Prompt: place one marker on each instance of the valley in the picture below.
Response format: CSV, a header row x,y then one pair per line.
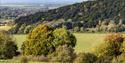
x,y
91,31
85,42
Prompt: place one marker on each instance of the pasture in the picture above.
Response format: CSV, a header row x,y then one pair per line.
x,y
5,28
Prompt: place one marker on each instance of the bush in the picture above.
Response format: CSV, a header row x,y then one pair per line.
x,y
76,29
85,58
104,59
62,37
24,59
112,45
63,54
8,48
43,40
28,29
121,58
114,37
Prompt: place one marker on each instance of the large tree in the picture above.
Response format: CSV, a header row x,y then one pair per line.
x,y
43,40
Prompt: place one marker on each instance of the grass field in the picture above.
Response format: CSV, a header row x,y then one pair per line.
x,y
19,40
5,28
85,42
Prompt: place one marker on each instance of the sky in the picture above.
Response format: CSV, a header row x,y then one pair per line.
x,y
39,1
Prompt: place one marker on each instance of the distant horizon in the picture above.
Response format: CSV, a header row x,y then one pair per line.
x,y
39,1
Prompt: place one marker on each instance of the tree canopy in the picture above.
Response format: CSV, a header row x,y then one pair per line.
x,y
43,40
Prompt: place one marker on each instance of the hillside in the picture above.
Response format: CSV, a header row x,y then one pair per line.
x,y
89,12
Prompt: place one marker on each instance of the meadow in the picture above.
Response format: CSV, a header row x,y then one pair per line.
x,y
5,27
85,42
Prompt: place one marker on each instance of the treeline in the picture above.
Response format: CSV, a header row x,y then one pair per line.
x,y
90,12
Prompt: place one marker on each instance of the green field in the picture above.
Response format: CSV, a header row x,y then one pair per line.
x,y
85,42
19,39
5,28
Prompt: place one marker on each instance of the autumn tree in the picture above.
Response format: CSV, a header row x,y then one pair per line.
x,y
43,40
112,45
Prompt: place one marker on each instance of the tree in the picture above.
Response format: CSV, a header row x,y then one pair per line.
x,y
62,37
28,29
39,41
76,29
112,45
8,48
43,40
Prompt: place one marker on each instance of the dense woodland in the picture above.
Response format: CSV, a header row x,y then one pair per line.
x,y
77,16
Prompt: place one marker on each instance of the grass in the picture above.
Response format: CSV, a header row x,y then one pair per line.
x,y
5,28
86,41
19,40
9,61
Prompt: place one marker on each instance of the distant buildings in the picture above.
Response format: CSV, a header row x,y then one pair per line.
x,y
6,23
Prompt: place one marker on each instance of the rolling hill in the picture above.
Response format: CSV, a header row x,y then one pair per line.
x,y
89,12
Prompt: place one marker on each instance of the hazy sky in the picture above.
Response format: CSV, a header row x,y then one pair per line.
x,y
38,1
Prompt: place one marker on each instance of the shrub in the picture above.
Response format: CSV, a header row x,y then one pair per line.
x,y
28,29
63,54
104,59
62,37
8,48
121,58
76,29
39,58
112,45
114,37
85,58
24,59
43,40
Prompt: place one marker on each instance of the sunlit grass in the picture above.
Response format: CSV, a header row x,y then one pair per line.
x,y
5,28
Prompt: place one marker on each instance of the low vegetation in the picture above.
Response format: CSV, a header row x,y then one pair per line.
x,y
63,54
37,47
85,58
8,47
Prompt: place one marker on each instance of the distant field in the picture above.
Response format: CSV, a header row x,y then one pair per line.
x,y
5,28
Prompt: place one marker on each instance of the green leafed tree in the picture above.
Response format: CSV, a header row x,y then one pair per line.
x,y
62,37
8,48
43,40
